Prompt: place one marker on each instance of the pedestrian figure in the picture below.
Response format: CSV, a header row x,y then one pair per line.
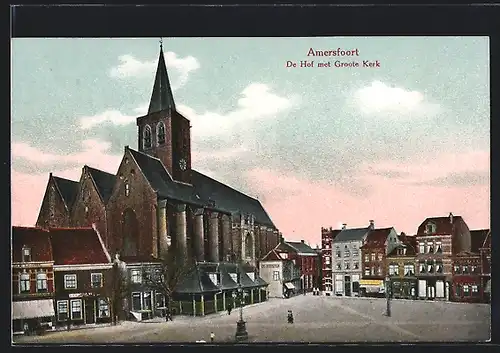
x,y
290,317
212,336
229,308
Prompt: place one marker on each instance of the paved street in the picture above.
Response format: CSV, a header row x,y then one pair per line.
x,y
317,319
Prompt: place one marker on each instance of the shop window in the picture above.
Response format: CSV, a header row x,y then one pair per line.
x,y
136,301
103,307
62,310
76,309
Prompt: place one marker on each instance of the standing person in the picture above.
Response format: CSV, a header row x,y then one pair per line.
x,y
229,308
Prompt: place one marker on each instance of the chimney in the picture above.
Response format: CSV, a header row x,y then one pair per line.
x,y
372,224
451,218
344,225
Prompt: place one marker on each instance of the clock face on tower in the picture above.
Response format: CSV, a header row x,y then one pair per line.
x,y
183,164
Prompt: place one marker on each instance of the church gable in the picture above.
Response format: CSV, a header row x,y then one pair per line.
x,y
58,198
88,206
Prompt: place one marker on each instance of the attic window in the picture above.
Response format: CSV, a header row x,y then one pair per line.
x,y
430,228
132,171
146,137
127,189
26,254
160,133
126,160
86,210
121,176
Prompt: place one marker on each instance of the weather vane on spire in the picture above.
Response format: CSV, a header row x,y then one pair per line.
x,y
161,42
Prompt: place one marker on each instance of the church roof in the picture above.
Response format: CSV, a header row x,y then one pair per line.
x,y
229,199
477,238
161,181
162,97
103,181
67,188
203,190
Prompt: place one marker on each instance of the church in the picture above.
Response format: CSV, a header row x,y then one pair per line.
x,y
156,201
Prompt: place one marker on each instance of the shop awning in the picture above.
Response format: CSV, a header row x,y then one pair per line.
x,y
289,285
32,309
371,283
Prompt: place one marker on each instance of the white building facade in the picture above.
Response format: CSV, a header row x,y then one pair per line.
x,y
346,260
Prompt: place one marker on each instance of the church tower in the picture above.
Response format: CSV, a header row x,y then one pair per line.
x,y
163,132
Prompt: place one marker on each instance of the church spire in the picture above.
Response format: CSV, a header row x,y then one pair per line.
x,y
162,97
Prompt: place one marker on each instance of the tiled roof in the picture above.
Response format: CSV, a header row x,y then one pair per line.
x,y
477,238
410,243
272,256
161,181
351,234
67,188
198,281
229,199
37,239
104,182
376,238
76,246
300,247
443,225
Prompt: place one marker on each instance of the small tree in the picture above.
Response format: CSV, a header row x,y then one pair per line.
x,y
118,289
168,274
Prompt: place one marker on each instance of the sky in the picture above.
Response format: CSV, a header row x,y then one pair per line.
x,y
318,146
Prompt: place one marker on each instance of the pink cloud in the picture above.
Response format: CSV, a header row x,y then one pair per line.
x,y
27,194
300,208
28,188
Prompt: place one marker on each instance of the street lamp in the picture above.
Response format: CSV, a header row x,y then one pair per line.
x,y
388,295
241,330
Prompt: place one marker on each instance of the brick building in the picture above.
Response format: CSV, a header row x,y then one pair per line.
x,y
82,275
156,200
32,279
400,266
327,237
374,250
305,258
439,239
467,283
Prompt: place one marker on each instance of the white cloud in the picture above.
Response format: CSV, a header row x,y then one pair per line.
x,y
257,102
109,116
94,153
131,67
379,98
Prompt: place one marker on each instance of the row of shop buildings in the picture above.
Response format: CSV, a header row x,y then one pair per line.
x,y
65,277
444,260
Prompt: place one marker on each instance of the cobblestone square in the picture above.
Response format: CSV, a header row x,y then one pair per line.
x,y
317,319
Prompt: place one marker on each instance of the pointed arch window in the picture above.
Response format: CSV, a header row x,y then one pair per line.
x,y
146,137
248,246
160,133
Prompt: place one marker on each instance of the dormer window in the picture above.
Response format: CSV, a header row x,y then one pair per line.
x,y
160,133
430,228
146,137
214,278
26,254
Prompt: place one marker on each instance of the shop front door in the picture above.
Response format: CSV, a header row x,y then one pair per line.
x,y
347,286
89,311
